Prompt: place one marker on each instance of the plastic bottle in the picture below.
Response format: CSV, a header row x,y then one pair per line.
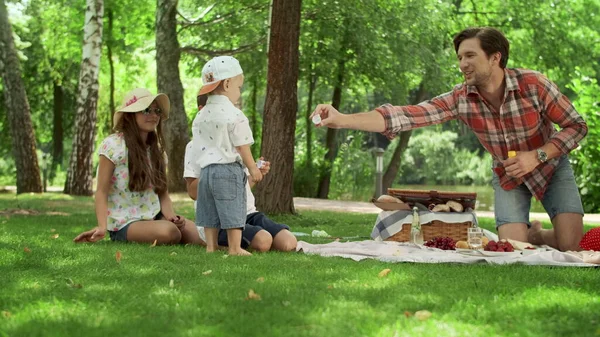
x,y
416,236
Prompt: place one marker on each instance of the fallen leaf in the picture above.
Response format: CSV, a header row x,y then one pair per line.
x,y
52,230
260,279
6,314
171,283
27,250
154,243
225,256
208,272
286,303
384,272
118,256
55,236
408,313
422,315
253,296
330,287
173,254
72,284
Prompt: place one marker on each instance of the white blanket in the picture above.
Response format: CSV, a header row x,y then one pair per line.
x,y
389,251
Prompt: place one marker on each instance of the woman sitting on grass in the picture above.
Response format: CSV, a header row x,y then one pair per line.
x,y
132,201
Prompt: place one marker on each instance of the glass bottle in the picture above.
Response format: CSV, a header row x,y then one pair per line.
x,y
416,236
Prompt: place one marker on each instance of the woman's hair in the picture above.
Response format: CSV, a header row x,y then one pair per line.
x,y
146,162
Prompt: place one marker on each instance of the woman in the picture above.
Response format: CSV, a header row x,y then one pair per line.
x,y
132,201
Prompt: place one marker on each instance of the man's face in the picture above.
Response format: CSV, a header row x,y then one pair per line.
x,y
474,63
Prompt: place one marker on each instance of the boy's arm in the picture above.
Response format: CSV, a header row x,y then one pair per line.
x,y
246,154
192,187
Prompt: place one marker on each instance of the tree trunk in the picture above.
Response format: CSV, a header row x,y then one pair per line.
x,y
109,46
80,173
254,118
331,140
312,83
167,66
392,170
57,129
18,111
274,193
394,165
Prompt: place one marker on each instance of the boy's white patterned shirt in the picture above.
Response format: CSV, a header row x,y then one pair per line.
x,y
216,131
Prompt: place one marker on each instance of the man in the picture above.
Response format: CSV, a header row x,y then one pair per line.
x,y
508,110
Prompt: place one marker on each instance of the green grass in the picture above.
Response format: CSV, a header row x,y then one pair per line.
x,y
301,295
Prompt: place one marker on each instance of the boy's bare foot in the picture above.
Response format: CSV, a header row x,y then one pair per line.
x,y
239,252
211,249
534,235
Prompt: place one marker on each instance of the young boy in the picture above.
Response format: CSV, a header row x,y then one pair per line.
x,y
222,138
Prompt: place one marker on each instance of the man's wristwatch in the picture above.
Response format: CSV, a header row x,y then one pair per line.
x,y
542,156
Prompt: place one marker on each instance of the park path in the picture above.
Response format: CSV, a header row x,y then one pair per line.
x,y
367,207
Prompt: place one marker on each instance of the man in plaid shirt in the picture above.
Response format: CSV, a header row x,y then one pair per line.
x,y
509,110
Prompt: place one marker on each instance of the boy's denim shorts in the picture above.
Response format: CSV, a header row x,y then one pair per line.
x,y
561,196
221,199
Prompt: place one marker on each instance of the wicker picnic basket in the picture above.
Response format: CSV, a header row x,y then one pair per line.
x,y
435,228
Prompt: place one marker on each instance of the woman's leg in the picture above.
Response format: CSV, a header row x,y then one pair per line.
x,y
285,241
261,241
281,238
163,231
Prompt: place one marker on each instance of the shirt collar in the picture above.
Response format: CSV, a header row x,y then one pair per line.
x,y
218,99
511,83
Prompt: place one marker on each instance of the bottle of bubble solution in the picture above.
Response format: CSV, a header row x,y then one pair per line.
x,y
416,236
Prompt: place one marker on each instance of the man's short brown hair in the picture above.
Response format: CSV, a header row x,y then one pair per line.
x,y
492,41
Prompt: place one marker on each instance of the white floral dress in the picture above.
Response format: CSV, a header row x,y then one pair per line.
x,y
125,206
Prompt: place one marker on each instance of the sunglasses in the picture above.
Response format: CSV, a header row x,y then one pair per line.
x,y
149,110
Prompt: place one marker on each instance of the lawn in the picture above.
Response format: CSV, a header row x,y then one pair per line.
x,y
52,287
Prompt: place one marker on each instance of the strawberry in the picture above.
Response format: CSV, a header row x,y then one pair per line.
x,y
591,240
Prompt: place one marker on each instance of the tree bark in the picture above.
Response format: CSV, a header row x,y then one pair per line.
x,y
80,173
312,83
168,54
109,46
57,129
18,111
254,117
275,193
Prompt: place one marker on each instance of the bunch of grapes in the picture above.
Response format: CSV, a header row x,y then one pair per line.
x,y
501,246
441,243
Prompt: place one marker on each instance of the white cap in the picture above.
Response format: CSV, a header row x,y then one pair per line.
x,y
218,69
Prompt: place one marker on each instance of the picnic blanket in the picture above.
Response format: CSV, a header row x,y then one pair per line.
x,y
389,223
390,251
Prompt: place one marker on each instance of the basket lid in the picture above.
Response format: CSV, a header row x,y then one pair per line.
x,y
467,200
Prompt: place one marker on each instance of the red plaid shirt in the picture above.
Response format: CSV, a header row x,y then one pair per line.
x,y
532,105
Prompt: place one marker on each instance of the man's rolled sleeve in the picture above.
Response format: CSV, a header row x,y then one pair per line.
x,y
561,112
403,118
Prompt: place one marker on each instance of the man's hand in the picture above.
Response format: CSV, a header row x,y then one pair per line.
x,y
330,117
522,164
92,235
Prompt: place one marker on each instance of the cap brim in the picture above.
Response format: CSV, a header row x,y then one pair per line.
x,y
208,88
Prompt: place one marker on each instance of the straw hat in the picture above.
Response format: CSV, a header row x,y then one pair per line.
x,y
139,99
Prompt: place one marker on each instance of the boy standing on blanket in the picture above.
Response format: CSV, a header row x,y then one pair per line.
x,y
222,138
